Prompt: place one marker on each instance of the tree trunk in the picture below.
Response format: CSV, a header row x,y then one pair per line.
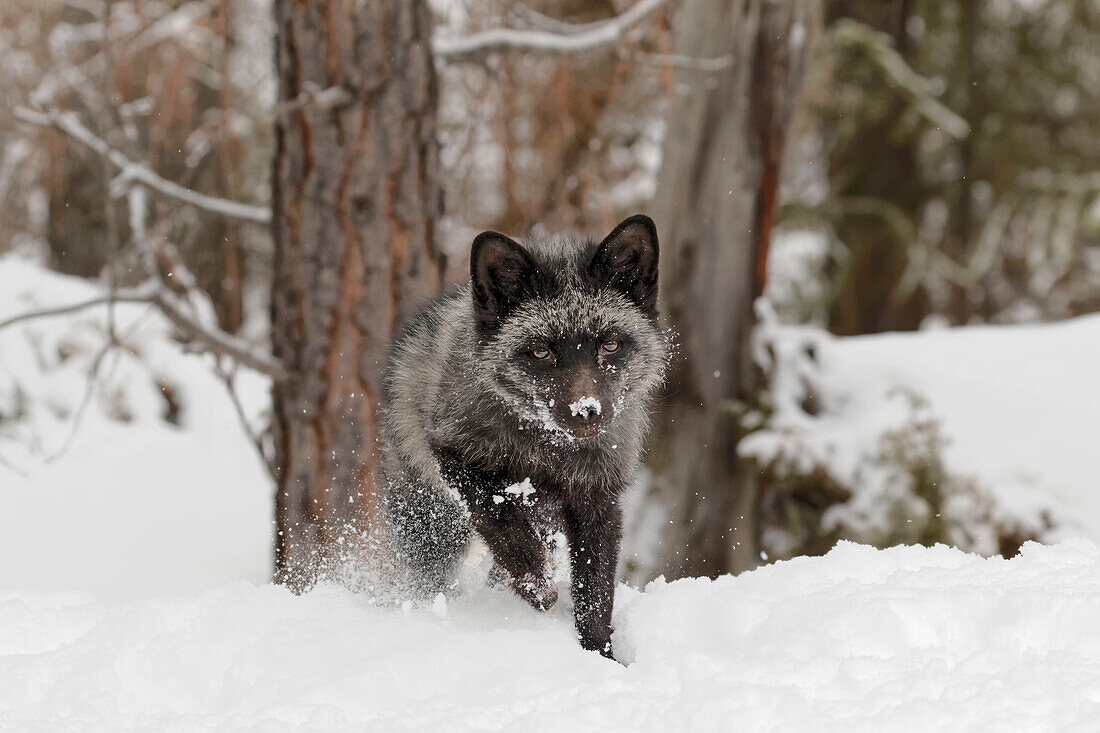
x,y
356,196
877,163
77,226
715,205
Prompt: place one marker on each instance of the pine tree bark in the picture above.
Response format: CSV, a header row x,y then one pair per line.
x,y
715,205
356,196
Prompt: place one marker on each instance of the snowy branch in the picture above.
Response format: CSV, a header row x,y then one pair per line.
x,y
593,36
316,98
69,123
255,438
137,295
216,340
82,408
178,25
690,63
880,50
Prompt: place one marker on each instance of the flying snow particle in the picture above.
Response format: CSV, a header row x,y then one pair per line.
x,y
523,489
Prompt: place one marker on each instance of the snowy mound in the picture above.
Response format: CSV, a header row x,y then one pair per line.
x,y
1018,406
144,484
861,639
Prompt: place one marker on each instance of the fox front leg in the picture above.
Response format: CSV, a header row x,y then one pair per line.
x,y
518,549
594,538
507,529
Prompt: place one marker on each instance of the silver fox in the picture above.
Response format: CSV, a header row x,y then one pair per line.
x,y
520,401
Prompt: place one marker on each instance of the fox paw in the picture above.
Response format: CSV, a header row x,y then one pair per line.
x,y
537,590
601,644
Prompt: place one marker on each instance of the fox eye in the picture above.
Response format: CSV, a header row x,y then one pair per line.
x,y
540,353
610,346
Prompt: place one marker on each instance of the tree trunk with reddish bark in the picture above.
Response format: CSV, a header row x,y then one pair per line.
x,y
715,205
356,195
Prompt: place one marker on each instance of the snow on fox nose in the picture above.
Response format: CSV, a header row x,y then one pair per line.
x,y
586,407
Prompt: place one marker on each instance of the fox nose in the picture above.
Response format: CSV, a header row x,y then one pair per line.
x,y
585,414
583,406
586,409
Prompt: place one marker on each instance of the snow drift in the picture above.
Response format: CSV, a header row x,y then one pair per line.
x,y
861,639
1018,409
146,484
159,513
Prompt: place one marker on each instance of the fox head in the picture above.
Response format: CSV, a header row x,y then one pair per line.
x,y
569,328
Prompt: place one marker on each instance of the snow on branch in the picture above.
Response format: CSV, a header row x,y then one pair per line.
x,y
316,98
70,124
690,63
215,339
591,36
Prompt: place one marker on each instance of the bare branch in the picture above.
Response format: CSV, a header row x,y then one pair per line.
x,y
214,339
113,341
111,233
596,35
69,123
136,295
4,462
255,438
85,400
95,8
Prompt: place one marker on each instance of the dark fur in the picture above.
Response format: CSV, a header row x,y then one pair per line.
x,y
471,410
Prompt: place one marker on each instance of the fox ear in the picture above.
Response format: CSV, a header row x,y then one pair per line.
x,y
502,275
627,261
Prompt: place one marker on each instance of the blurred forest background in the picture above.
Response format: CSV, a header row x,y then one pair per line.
x,y
283,182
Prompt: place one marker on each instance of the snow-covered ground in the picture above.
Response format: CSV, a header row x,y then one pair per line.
x,y
124,504
858,640
133,561
1018,408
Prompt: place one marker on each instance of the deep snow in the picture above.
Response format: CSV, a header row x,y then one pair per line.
x,y
166,531
858,640
1018,406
